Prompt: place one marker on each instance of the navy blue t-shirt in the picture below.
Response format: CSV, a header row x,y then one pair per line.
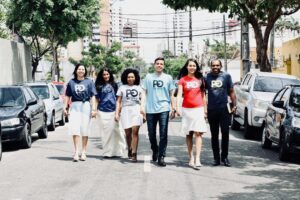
x,y
81,90
218,87
107,98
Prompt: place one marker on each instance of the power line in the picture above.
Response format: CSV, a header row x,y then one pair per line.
x,y
163,37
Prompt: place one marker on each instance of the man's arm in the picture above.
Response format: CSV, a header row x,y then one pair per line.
x,y
233,99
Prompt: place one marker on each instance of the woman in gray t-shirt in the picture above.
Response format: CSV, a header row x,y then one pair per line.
x,y
128,109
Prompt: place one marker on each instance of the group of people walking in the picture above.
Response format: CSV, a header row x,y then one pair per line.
x,y
153,101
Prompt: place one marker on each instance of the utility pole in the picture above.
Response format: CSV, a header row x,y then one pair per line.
x,y
245,49
190,33
272,59
225,46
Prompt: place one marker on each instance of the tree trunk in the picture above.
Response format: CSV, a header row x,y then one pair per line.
x,y
53,66
57,65
35,63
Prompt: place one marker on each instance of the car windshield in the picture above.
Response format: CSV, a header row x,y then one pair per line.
x,y
11,97
272,84
295,98
60,89
41,91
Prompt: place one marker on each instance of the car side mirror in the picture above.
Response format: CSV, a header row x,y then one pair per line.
x,y
32,102
245,88
278,104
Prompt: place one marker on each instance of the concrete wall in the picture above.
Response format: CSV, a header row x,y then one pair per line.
x,y
15,62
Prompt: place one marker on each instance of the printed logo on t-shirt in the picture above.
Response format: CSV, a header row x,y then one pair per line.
x,y
192,85
79,88
216,84
131,93
158,83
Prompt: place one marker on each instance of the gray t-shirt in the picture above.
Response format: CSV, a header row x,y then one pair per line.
x,y
131,95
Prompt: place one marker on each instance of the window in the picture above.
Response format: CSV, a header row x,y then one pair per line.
x,y
279,95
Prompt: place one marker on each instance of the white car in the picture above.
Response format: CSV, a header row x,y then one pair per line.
x,y
253,96
53,102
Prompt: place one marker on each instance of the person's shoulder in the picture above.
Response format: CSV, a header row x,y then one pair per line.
x,y
225,74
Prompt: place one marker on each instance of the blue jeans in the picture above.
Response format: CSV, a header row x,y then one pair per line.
x,y
162,119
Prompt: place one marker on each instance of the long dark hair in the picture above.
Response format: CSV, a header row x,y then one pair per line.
x,y
125,75
100,80
76,68
198,74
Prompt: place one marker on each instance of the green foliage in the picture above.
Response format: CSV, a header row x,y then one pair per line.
x,y
4,31
287,24
218,50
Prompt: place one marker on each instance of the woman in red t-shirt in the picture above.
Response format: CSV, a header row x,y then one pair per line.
x,y
191,85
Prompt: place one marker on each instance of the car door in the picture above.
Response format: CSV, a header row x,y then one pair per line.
x,y
40,109
280,114
32,110
58,102
243,95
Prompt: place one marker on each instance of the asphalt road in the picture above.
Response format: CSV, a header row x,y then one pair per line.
x,y
46,171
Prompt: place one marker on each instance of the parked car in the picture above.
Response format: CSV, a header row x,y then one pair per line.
x,y
0,142
282,122
61,87
253,95
53,102
22,113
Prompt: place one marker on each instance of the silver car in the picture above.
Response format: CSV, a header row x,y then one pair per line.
x,y
53,102
253,95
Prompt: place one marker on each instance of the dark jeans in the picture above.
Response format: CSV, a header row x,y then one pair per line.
x,y
162,119
219,118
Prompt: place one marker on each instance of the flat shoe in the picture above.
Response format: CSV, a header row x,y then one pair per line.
x,y
83,157
75,158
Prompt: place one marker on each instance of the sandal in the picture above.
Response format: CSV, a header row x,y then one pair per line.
x,y
134,157
129,154
75,158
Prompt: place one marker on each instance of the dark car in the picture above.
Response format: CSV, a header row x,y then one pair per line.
x,y
282,122
21,113
0,143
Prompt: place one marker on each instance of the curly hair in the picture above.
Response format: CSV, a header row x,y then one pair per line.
x,y
100,80
198,74
76,68
127,71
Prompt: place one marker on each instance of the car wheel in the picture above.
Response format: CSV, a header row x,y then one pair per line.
x,y
43,132
27,140
248,129
62,121
51,127
235,125
265,142
283,149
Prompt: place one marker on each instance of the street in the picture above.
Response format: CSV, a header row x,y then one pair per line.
x,y
46,171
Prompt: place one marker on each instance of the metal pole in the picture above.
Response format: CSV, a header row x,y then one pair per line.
x,y
190,33
272,59
225,46
245,49
174,37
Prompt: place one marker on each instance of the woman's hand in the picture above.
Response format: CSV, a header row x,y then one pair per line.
x,y
117,117
66,113
94,113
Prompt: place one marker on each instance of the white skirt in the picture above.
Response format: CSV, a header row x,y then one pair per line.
x,y
113,140
130,116
79,118
193,120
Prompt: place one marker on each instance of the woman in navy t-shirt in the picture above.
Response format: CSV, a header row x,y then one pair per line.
x,y
113,142
81,91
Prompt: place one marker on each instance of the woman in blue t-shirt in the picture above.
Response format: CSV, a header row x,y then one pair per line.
x,y
81,91
113,141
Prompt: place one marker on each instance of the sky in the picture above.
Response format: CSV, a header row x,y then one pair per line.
x,y
140,10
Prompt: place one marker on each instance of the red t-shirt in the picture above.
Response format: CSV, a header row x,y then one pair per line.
x,y
192,95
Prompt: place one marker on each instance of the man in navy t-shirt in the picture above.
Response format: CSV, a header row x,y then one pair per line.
x,y
219,86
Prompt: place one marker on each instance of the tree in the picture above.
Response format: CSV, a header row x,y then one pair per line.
x,y
4,31
217,49
258,13
57,22
99,56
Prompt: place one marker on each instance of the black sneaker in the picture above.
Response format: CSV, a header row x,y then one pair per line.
x,y
216,163
161,162
154,156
